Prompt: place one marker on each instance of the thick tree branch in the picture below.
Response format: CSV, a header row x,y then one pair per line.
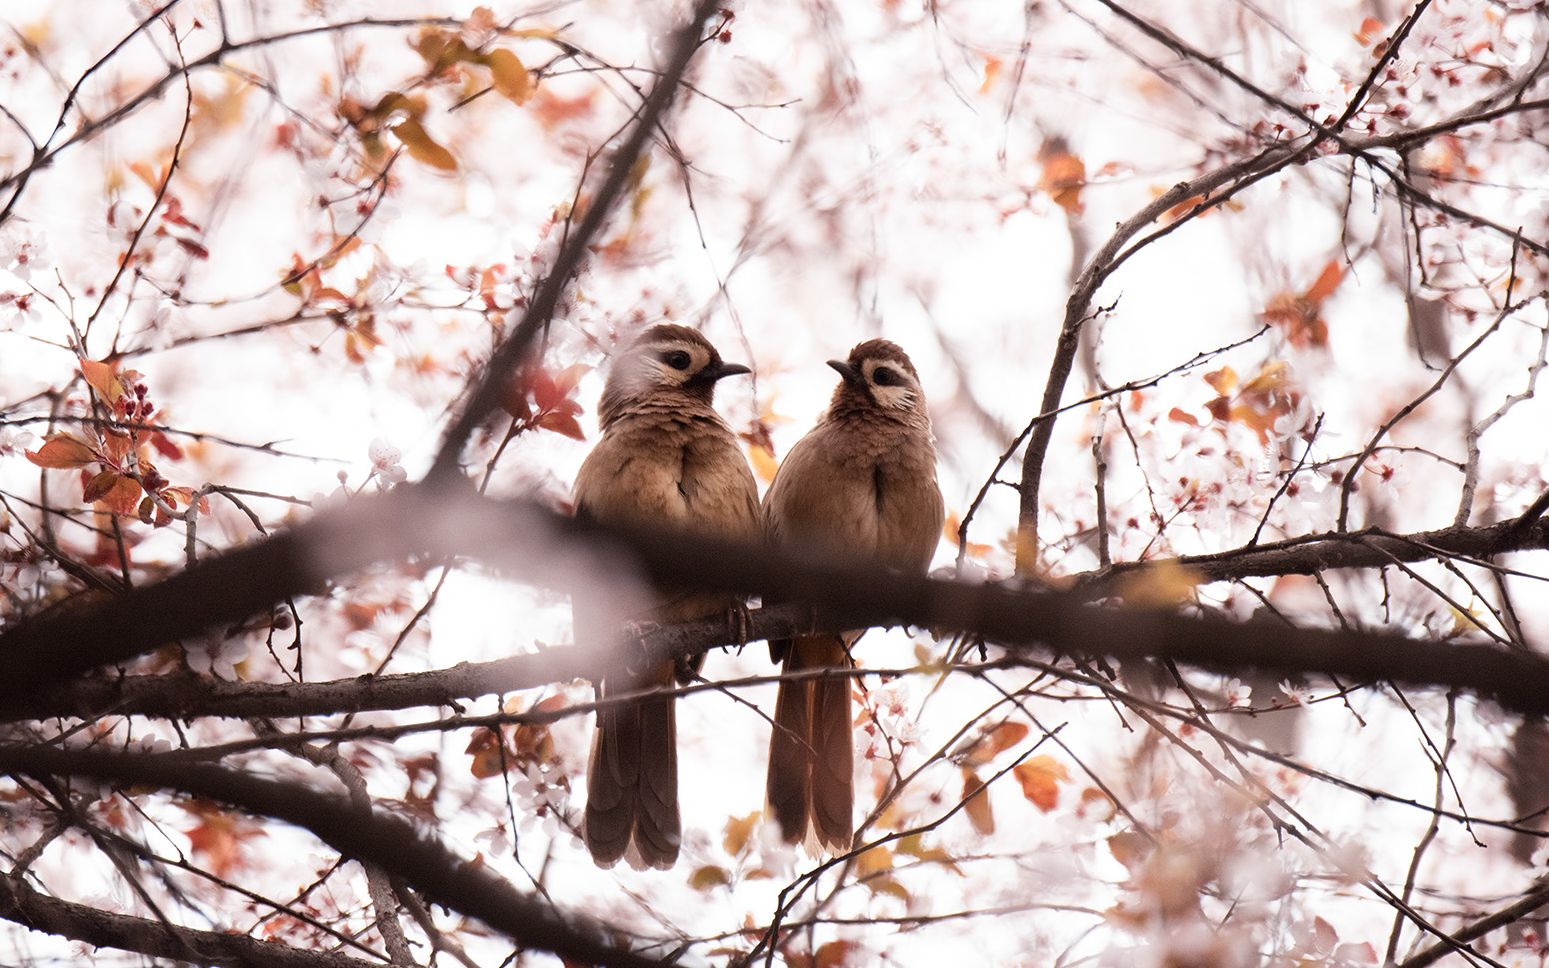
x,y
82,922
545,548
361,832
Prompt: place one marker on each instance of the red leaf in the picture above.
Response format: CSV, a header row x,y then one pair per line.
x,y
562,423
62,450
166,447
98,487
123,498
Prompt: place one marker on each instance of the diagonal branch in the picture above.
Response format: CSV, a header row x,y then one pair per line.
x,y
158,939
355,830
540,310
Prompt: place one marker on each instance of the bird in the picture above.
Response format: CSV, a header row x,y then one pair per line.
x,y
664,457
861,482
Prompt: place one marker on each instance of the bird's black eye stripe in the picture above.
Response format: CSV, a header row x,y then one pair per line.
x,y
884,377
677,359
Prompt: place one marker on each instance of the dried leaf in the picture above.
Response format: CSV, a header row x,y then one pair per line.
x,y
102,379
739,830
834,954
510,77
62,451
1328,280
1064,175
116,446
874,861
1182,416
1041,777
96,488
125,497
709,876
1129,848
487,759
764,464
422,147
977,803
992,742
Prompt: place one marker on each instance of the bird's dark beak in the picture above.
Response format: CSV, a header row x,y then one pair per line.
x,y
730,369
851,375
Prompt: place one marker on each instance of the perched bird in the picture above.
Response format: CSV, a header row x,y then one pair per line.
x,y
861,482
665,457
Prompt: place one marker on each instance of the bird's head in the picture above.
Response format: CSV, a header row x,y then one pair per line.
x,y
878,377
665,359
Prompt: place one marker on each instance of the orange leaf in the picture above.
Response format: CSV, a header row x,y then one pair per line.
x,y
1064,175
422,147
738,830
1223,380
123,498
62,450
1328,280
1182,416
1368,31
1040,778
510,77
976,802
764,464
485,747
100,376
116,445
993,742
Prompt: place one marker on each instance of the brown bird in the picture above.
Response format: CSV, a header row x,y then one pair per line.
x,y
861,482
665,457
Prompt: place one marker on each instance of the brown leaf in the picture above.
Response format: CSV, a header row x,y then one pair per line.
x,y
834,954
510,77
1182,416
116,445
99,486
992,742
977,803
487,759
1129,848
101,378
709,876
1041,777
62,451
738,830
422,147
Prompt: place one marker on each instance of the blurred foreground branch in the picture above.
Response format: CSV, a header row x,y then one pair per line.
x,y
537,545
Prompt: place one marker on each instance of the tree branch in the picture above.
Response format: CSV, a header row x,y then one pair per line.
x,y
540,546
355,830
82,922
486,394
